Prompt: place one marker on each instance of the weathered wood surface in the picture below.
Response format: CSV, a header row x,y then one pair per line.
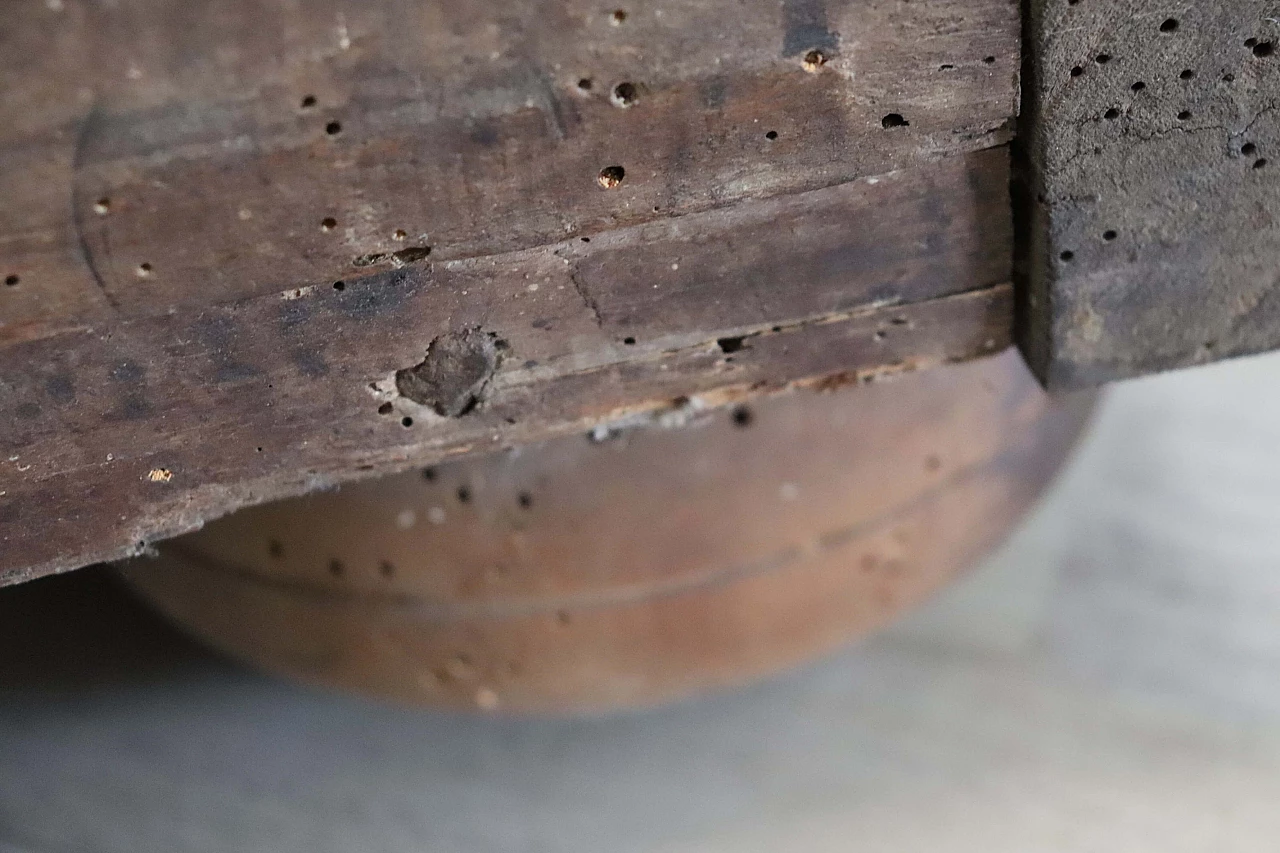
x,y
1153,144
229,228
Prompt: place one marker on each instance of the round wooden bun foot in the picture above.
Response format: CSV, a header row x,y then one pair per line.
x,y
584,575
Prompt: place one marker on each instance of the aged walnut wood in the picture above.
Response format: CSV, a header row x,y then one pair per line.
x,y
231,233
579,575
1152,145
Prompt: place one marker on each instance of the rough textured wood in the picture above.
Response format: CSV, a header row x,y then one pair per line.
x,y
1153,146
462,124
230,226
576,575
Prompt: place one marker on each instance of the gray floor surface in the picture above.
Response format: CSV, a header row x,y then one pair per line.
x,y
1109,681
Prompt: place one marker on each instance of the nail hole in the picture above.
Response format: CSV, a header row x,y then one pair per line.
x,y
629,341
339,285
814,60
1250,42
611,176
1139,86
1260,162
742,416
771,135
1263,49
328,223
989,60
729,345
1186,74
385,409
1109,235
1077,71
525,500
1067,255
618,16
893,120
585,84
1184,115
1102,58
102,206
406,422
464,495
333,128
1248,148
429,474
946,66
625,95
308,102
1169,25
1111,114
1228,78
144,270
11,280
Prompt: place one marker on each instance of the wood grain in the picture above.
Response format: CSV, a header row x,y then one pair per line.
x,y
229,226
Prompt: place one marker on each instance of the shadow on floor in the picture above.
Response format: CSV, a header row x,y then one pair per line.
x,y
86,629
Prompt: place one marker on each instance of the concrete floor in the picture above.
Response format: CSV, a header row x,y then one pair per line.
x,y
1109,681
